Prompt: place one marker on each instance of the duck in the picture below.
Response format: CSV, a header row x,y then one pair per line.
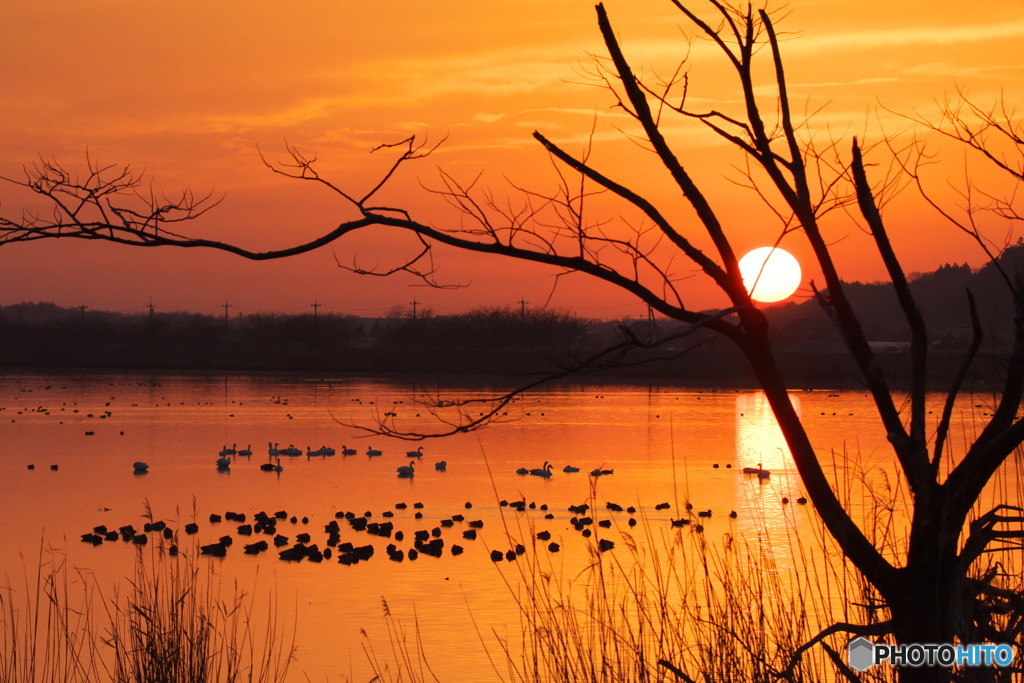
x,y
441,465
140,467
373,452
544,471
345,450
406,470
418,453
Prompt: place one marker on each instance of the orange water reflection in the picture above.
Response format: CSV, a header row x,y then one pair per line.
x,y
663,445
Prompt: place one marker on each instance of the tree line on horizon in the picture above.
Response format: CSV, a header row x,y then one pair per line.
x,y
497,326
44,333
45,330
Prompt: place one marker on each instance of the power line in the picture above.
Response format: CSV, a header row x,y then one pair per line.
x,y
522,308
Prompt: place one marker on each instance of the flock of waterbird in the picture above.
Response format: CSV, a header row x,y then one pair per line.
x,y
346,535
224,461
300,546
424,541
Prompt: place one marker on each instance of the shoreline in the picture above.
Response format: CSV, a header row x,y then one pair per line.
x,y
701,370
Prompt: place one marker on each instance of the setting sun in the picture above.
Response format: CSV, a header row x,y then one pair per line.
x,y
770,274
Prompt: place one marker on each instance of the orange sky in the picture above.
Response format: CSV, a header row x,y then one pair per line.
x,y
187,90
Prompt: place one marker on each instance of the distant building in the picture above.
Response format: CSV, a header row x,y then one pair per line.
x,y
889,346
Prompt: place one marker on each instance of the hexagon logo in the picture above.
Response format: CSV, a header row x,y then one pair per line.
x,y
861,654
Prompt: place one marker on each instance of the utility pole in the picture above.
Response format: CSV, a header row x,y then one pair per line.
x,y
414,304
522,308
152,315
315,306
82,309
226,307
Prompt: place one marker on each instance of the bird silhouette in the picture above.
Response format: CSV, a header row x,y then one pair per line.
x,y
544,471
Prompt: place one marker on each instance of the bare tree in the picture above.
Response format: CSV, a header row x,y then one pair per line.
x,y
931,594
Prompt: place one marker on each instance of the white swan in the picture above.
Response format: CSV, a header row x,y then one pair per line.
x,y
247,451
223,463
228,451
347,451
140,467
373,451
441,465
405,470
418,453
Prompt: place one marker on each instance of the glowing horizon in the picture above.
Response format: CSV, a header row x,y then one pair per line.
x,y
195,102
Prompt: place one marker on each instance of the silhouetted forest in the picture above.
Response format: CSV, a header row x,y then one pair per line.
x,y
47,335
503,340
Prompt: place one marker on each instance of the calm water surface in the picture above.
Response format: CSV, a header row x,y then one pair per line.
x,y
662,443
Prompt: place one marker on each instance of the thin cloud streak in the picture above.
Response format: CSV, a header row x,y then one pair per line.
x,y
919,35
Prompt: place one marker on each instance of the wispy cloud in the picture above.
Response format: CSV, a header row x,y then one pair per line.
x,y
917,35
833,84
947,70
494,117
296,114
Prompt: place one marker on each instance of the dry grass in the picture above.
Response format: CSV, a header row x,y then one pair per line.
x,y
668,608
680,607
172,621
406,660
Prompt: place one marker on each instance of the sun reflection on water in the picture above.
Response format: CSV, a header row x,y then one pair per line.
x,y
767,503
759,440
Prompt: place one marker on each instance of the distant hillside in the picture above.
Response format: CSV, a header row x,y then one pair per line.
x,y
941,296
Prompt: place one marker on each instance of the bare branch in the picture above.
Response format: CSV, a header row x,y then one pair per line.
x,y
912,455
947,410
614,356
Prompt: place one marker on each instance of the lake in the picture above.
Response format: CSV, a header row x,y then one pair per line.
x,y
665,445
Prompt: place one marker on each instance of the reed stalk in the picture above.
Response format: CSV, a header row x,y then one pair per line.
x,y
172,621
